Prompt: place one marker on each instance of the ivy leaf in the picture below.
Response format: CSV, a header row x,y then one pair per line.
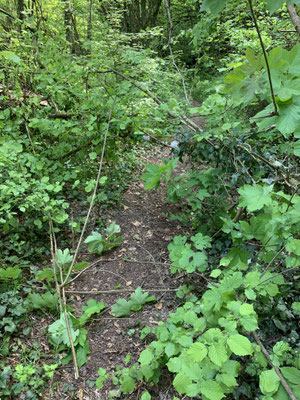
x,y
215,6
212,390
269,381
239,345
255,197
217,353
197,352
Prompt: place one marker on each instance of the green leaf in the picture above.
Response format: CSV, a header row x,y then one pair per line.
x,y
92,307
64,257
255,197
174,364
146,357
82,353
249,322
122,308
45,300
218,354
212,390
293,246
296,306
246,309
127,384
103,376
59,331
10,56
146,396
292,374
269,382
181,382
46,273
10,273
95,243
215,6
197,352
239,345
274,5
138,299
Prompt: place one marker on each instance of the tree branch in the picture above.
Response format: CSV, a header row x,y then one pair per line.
x,y
277,370
294,17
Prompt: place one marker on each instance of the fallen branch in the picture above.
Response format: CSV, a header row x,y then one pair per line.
x,y
113,291
276,369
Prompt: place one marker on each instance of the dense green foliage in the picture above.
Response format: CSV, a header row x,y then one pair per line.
x,y
79,86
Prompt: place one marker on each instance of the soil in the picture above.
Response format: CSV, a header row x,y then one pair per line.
x,y
146,231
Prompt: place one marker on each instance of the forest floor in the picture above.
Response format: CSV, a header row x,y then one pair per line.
x,y
141,260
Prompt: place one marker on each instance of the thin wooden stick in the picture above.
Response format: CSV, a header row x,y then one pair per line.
x,y
276,369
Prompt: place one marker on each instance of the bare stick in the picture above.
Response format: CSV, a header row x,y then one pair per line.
x,y
294,17
171,51
265,56
92,201
276,369
118,291
271,262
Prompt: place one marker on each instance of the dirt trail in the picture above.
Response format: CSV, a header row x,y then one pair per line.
x,y
147,232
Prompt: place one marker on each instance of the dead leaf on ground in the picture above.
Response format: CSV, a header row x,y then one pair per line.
x,y
136,223
80,394
158,306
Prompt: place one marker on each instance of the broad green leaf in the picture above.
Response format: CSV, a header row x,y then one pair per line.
x,y
249,322
239,345
255,197
212,390
197,351
46,273
95,243
92,307
246,309
181,382
139,298
235,259
59,331
10,273
274,5
215,6
218,354
292,374
174,364
64,257
227,380
10,56
269,381
45,300
127,384
122,308
293,246
146,396
146,357
81,354
296,306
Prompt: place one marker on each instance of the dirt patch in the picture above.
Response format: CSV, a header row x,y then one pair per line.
x,y
147,232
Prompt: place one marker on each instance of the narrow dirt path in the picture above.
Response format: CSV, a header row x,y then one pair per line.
x,y
147,232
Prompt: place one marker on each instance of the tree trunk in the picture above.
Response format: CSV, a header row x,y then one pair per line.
x,y
294,17
72,36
